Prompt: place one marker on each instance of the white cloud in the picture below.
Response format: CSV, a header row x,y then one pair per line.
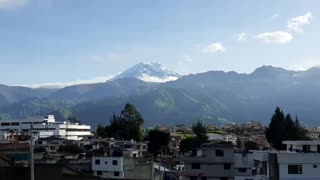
x,y
214,48
242,36
12,4
56,85
277,37
296,24
305,64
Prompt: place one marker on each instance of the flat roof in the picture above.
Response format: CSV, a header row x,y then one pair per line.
x,y
302,142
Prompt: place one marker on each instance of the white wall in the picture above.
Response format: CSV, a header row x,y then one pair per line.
x,y
106,164
308,172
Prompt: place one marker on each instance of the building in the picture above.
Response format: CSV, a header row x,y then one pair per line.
x,y
108,167
255,165
300,161
123,168
211,162
313,133
244,166
44,127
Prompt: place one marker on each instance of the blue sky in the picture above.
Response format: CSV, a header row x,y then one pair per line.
x,y
74,41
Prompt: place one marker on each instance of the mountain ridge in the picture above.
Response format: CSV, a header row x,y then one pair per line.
x,y
213,96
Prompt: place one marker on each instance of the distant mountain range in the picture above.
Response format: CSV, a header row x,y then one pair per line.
x,y
214,97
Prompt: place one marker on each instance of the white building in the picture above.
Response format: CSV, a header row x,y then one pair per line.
x,y
124,168
44,127
108,167
301,161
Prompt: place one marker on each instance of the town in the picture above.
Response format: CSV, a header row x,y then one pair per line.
x,y
46,149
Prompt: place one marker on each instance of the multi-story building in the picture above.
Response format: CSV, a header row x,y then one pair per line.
x,y
44,127
108,167
301,161
123,168
244,166
211,161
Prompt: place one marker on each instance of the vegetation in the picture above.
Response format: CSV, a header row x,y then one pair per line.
x,y
126,126
251,145
39,149
71,148
282,127
158,141
73,119
194,142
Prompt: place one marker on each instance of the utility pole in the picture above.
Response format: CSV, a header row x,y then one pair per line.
x,y
31,153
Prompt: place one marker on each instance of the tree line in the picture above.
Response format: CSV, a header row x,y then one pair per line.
x,y
282,128
128,125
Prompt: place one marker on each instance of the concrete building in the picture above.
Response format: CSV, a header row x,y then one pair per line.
x,y
244,166
255,165
108,167
301,161
123,168
44,127
211,162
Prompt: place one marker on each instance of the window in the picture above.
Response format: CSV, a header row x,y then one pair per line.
x,y
116,173
5,124
306,148
99,173
294,169
204,178
195,166
114,162
224,178
242,170
227,166
97,161
15,124
106,162
315,166
193,177
219,152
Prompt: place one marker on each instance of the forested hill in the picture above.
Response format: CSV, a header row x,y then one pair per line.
x,y
215,97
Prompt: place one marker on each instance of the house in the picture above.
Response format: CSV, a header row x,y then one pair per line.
x,y
211,161
123,168
301,161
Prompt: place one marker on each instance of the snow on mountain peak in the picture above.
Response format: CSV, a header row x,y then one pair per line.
x,y
149,72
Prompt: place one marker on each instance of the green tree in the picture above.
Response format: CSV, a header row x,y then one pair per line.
x,y
126,126
283,128
71,148
101,131
158,141
201,131
189,143
195,142
73,119
251,145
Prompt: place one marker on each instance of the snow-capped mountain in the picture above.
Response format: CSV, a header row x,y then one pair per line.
x,y
149,72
